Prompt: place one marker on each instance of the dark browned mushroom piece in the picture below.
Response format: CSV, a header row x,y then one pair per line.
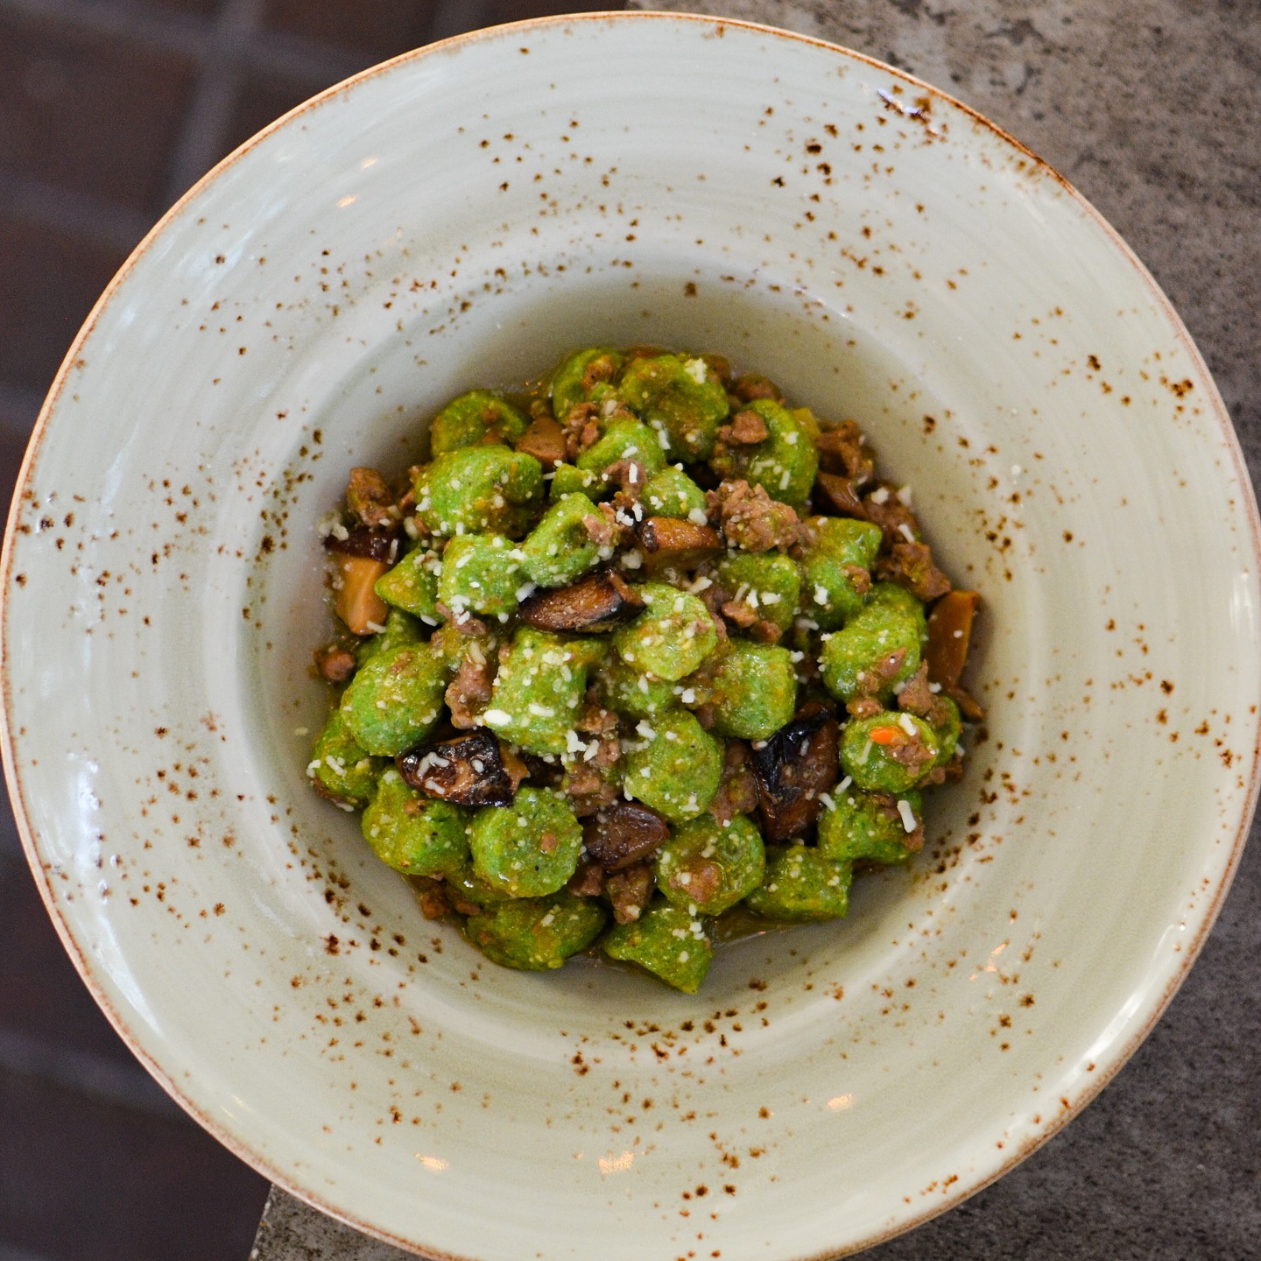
x,y
623,834
545,440
468,771
370,544
793,768
673,543
594,603
949,635
837,495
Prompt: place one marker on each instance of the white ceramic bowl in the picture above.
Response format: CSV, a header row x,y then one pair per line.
x,y
461,216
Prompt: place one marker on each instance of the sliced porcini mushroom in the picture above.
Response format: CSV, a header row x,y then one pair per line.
x,y
594,603
468,771
949,632
355,599
838,496
369,544
623,834
673,543
544,440
793,768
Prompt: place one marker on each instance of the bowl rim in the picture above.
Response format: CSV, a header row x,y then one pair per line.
x,y
261,1164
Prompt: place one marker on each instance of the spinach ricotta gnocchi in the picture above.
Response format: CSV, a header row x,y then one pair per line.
x,y
630,651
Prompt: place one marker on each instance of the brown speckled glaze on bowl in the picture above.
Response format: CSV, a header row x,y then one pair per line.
x,y
461,216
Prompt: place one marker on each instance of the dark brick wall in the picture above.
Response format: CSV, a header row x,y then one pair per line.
x,y
109,109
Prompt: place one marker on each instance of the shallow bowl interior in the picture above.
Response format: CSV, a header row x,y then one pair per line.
x,y
461,217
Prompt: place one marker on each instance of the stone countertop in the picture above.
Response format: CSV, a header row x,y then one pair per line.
x,y
1152,108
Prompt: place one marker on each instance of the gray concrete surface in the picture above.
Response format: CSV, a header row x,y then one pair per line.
x,y
1153,109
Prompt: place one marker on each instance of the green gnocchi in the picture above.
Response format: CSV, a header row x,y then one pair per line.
x,y
632,650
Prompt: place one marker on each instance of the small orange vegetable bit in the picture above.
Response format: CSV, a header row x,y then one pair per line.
x,y
887,735
354,599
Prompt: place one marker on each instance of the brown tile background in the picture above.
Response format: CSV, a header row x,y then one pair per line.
x,y
109,110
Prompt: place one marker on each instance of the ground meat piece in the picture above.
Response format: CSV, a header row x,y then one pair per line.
x,y
911,566
916,697
863,707
464,622
469,692
874,681
698,878
603,527
581,428
433,897
841,451
742,614
859,577
752,386
593,719
750,519
335,663
609,752
368,499
737,792
746,429
766,632
893,517
587,881
911,752
514,766
630,475
629,891
588,790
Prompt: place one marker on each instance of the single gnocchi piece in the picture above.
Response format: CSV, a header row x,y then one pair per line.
x,y
784,463
877,649
872,826
753,690
340,767
479,488
707,866
560,548
481,572
395,700
582,377
413,834
801,885
412,585
671,637
676,767
539,689
681,398
535,934
672,493
476,417
666,940
836,568
624,440
889,753
528,849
